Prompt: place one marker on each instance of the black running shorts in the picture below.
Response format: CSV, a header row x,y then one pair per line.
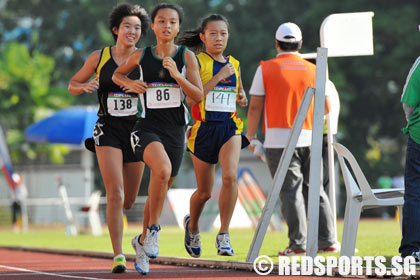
x,y
171,137
115,132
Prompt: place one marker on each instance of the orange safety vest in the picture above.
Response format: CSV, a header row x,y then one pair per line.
x,y
285,79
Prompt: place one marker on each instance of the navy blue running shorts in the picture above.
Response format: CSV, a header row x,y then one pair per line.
x,y
207,138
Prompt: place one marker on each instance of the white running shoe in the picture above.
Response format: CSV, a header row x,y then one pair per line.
x,y
151,242
223,245
141,264
192,241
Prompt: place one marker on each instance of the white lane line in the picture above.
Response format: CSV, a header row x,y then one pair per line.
x,y
49,274
38,261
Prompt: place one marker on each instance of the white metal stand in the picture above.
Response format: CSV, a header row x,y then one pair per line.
x,y
71,228
315,165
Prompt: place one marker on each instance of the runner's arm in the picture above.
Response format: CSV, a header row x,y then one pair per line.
x,y
191,84
120,74
78,83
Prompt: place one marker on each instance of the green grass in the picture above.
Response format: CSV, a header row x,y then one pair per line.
x,y
375,237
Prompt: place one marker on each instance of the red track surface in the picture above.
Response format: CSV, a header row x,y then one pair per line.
x,y
34,265
25,265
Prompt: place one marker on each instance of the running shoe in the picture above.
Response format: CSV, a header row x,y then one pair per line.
x,y
416,256
119,265
151,242
223,245
192,240
291,252
141,264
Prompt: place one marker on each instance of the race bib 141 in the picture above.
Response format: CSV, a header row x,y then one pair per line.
x,y
221,99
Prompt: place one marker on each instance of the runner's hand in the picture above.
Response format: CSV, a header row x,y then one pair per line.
x,y
135,86
226,71
91,86
169,64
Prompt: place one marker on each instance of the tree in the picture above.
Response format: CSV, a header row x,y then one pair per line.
x,y
26,97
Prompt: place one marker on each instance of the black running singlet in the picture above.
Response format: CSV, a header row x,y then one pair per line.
x,y
113,101
164,100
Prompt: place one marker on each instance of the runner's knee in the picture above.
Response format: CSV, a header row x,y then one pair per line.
x,y
162,174
203,196
115,196
229,180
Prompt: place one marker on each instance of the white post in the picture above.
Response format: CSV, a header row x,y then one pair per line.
x,y
87,164
24,215
71,223
331,176
316,153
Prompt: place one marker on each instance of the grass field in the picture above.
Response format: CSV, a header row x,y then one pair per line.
x,y
375,237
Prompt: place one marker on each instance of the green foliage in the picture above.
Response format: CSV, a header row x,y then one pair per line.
x,y
26,92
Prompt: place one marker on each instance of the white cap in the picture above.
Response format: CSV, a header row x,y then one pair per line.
x,y
289,32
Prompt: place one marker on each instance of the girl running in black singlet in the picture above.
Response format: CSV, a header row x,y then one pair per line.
x,y
121,170
169,72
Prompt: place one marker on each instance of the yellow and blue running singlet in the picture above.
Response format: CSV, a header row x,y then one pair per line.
x,y
215,116
222,94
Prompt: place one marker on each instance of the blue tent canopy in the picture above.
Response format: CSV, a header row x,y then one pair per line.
x,y
68,126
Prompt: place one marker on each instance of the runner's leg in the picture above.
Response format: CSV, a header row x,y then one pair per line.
x,y
111,165
132,175
160,170
204,173
229,159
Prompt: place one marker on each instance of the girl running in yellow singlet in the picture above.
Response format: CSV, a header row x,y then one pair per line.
x,y
217,131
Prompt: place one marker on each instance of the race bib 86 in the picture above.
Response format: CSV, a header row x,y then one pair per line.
x,y
163,95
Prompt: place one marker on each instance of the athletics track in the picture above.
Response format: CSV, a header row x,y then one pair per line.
x,y
36,264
